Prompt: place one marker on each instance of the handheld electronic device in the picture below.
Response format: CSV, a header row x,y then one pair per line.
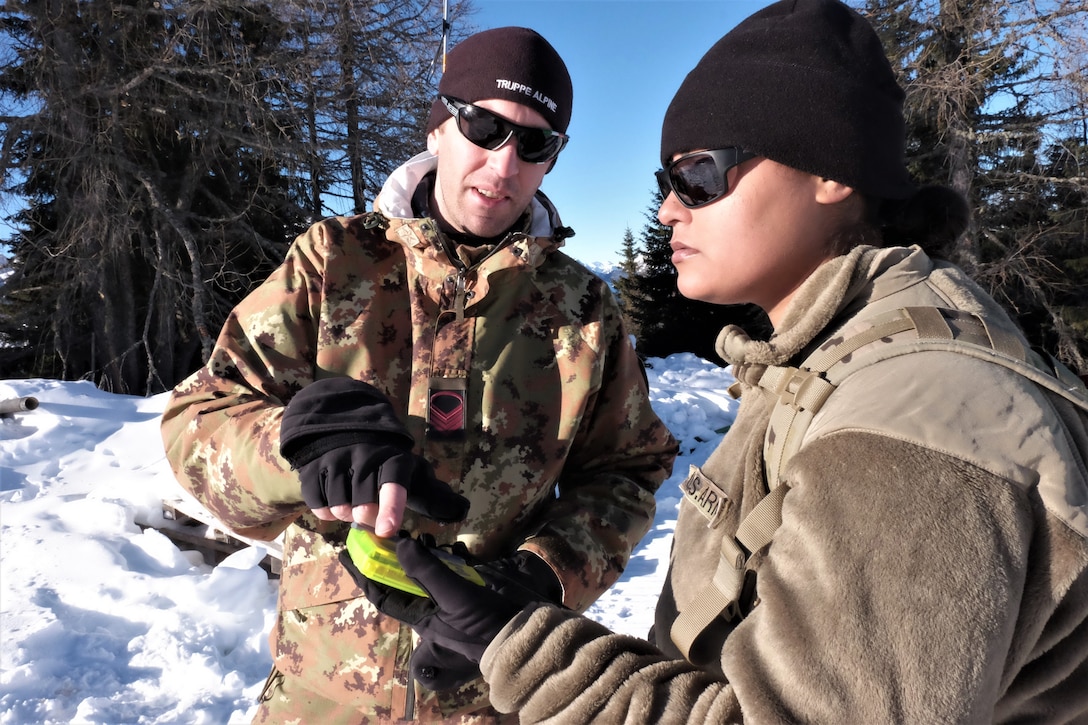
x,y
376,558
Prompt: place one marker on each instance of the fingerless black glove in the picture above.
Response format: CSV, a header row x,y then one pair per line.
x,y
345,440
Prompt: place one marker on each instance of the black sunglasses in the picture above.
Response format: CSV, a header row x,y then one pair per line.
x,y
699,178
488,131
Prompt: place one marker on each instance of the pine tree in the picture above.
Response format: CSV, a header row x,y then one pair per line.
x,y
365,83
150,178
995,109
169,153
630,268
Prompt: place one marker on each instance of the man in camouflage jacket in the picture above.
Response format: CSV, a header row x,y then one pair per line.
x,y
561,452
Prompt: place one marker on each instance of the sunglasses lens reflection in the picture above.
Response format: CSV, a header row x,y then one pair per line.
x,y
482,128
486,130
697,180
700,178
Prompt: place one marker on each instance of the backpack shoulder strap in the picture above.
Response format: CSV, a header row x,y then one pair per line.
x,y
801,392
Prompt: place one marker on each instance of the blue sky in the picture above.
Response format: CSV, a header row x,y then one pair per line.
x,y
626,59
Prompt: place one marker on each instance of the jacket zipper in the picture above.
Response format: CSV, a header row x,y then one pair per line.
x,y
461,280
410,694
459,296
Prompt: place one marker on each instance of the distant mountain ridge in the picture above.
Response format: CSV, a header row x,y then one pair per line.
x,y
607,271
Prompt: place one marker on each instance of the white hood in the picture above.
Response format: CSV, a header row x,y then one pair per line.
x,y
395,199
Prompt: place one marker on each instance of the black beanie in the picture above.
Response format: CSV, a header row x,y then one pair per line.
x,y
805,83
514,64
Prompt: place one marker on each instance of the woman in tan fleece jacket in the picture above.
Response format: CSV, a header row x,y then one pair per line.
x,y
932,559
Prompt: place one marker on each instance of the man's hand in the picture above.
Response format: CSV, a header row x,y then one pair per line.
x,y
355,459
366,480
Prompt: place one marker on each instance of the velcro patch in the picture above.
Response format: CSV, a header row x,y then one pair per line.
x,y
706,496
446,417
447,410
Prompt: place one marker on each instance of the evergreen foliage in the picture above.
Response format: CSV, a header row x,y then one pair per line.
x,y
144,149
626,281
170,152
996,109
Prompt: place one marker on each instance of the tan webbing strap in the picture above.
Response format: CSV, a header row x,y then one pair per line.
x,y
932,323
784,430
1005,342
800,394
723,596
929,322
704,609
884,325
759,525
971,336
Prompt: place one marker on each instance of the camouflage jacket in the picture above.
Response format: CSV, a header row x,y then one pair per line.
x,y
561,455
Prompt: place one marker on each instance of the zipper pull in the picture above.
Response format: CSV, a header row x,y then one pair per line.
x,y
459,297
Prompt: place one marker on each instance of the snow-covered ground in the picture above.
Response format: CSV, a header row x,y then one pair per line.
x,y
105,620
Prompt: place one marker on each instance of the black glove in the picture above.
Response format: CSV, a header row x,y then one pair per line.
x,y
345,441
459,616
432,665
439,669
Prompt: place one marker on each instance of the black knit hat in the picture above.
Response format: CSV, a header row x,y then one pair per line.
x,y
514,64
805,83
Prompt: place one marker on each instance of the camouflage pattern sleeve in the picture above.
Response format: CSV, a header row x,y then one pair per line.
x,y
605,497
220,427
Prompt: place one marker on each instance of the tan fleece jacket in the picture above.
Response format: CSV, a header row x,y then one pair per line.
x,y
931,566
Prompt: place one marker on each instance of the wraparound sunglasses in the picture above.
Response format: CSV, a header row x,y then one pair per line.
x,y
489,131
699,178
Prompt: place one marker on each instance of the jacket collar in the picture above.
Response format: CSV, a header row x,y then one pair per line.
x,y
837,289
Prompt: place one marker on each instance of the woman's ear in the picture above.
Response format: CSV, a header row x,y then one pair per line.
x,y
831,192
432,142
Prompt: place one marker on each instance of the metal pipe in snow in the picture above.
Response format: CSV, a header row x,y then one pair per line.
x,y
18,405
